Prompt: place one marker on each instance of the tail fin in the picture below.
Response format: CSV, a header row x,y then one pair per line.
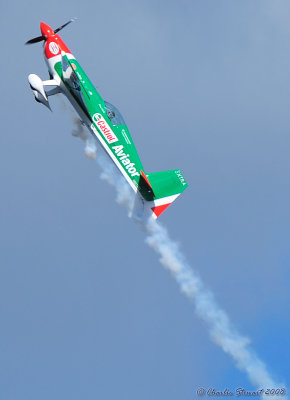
x,y
166,187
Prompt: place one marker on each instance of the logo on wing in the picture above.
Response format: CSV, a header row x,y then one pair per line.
x,y
104,127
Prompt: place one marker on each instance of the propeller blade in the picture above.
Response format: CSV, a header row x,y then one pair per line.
x,y
44,37
36,39
61,27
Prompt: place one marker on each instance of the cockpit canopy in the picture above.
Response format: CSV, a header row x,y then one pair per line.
x,y
114,114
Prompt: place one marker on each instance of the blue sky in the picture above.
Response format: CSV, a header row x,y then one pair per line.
x,y
87,311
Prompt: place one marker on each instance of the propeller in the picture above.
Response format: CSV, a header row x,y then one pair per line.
x,y
64,25
44,37
36,39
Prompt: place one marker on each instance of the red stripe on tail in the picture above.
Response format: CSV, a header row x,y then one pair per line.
x,y
158,210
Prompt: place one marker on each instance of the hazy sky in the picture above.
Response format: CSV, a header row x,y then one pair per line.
x,y
87,311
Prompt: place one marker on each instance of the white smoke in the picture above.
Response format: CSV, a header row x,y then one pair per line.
x,y
83,134
221,330
79,128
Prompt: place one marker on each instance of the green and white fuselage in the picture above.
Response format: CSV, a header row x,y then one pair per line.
x,y
158,190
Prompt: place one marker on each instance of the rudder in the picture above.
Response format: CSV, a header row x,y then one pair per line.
x,y
167,186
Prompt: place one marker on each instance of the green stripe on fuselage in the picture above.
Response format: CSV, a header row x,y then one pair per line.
x,y
120,143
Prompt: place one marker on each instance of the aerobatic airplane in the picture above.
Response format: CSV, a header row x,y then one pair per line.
x,y
156,190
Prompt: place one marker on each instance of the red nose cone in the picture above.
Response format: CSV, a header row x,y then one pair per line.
x,y
46,30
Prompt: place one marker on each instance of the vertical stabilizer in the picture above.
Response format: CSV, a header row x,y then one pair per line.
x,y
166,187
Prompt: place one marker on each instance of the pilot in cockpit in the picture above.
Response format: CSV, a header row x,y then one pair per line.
x,y
111,114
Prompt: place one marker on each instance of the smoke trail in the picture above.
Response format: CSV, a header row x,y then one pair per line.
x,y
110,174
83,134
79,129
221,330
